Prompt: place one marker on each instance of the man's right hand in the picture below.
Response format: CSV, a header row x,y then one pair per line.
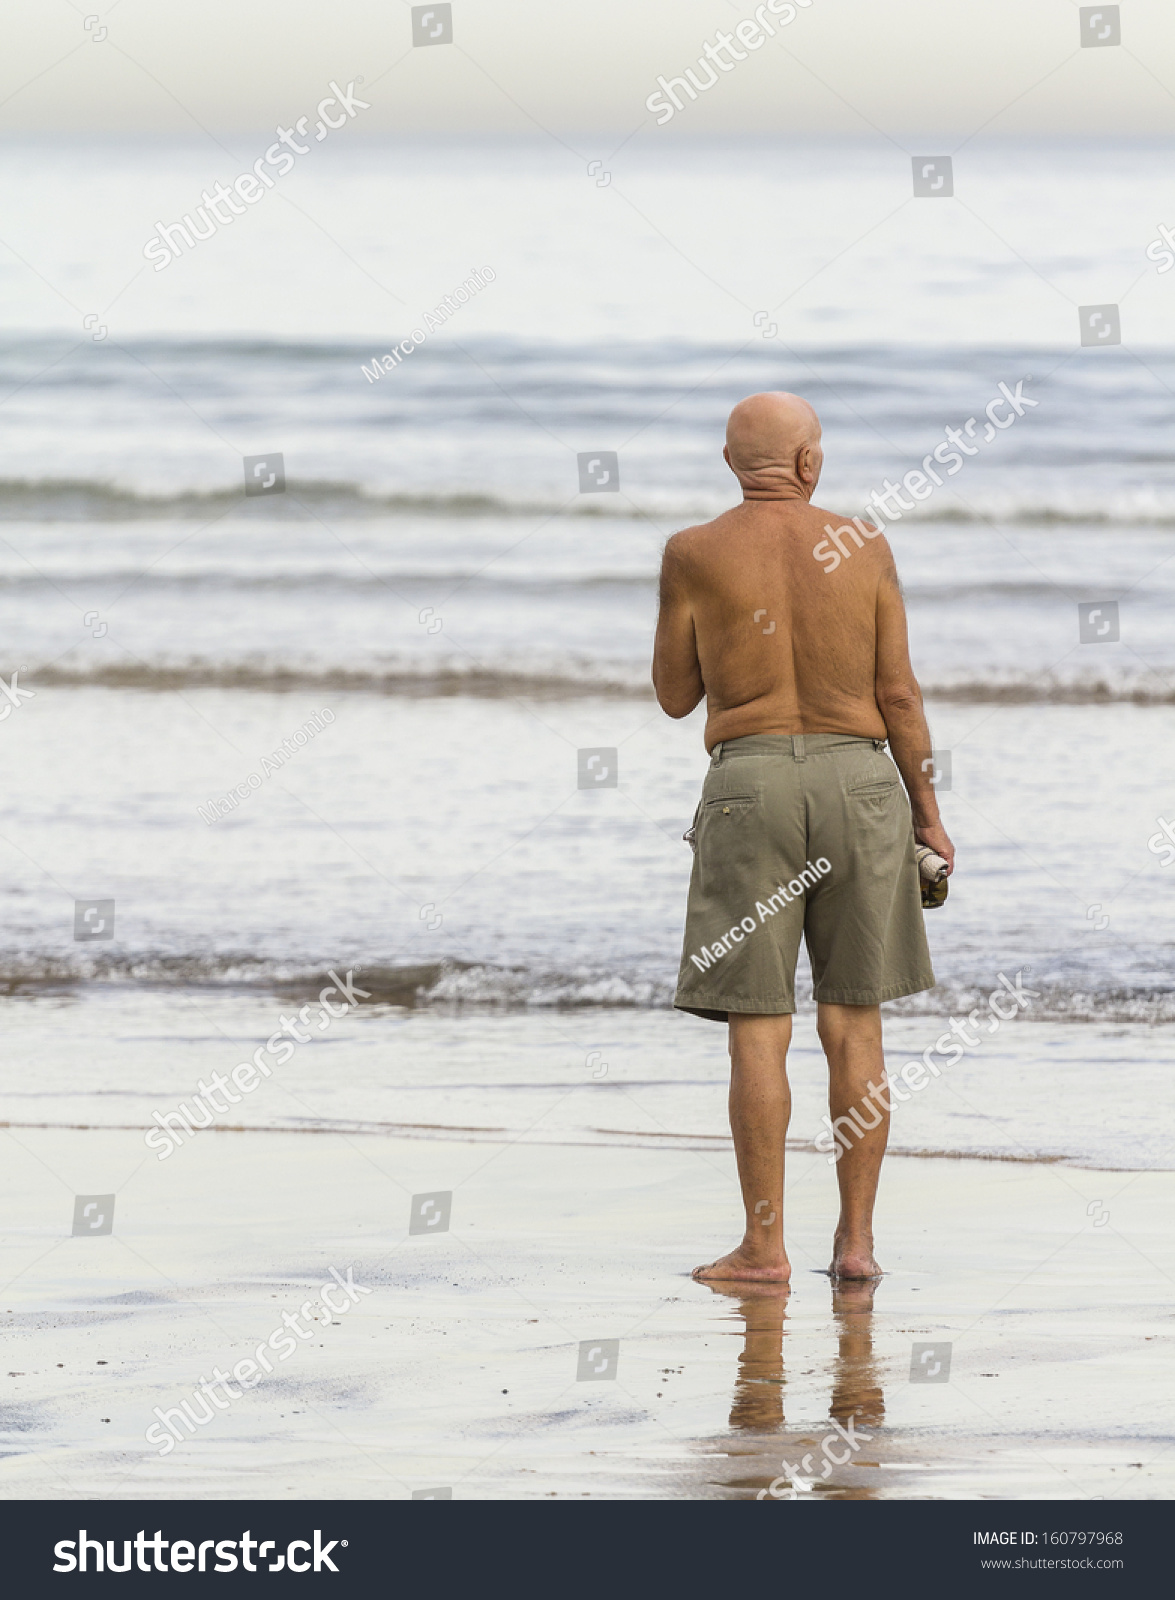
x,y
937,838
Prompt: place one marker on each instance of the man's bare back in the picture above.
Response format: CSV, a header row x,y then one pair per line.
x,y
753,621
783,646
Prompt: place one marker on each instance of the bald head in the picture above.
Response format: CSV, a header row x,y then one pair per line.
x,y
773,447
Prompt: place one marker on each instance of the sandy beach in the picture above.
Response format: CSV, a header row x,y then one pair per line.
x,y
386,711
1050,1282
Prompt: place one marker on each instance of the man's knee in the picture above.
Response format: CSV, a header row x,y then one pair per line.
x,y
838,1025
758,1032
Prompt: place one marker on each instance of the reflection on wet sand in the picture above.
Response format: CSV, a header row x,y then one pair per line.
x,y
758,1390
856,1384
757,1406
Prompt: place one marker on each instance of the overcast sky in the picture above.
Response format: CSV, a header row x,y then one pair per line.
x,y
906,67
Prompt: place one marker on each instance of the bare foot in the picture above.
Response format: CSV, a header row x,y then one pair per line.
x,y
853,1259
740,1265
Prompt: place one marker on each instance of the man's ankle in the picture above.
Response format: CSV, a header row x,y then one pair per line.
x,y
847,1235
759,1249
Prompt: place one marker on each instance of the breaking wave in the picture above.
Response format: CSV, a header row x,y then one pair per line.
x,y
463,985
547,679
95,500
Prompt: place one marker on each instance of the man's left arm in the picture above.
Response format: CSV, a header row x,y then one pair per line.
x,y
677,673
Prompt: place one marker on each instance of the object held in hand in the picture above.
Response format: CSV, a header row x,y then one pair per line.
x,y
932,874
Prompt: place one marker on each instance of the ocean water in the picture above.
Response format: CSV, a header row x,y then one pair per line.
x,y
434,583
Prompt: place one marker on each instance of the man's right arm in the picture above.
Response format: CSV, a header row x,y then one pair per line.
x,y
899,700
677,673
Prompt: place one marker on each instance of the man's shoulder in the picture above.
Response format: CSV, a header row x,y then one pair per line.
x,y
694,540
838,519
864,534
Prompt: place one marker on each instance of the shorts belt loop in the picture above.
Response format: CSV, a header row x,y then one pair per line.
x,y
716,754
797,747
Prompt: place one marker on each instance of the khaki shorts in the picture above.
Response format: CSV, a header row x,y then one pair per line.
x,y
807,835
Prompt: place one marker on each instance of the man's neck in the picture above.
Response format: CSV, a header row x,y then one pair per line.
x,y
792,492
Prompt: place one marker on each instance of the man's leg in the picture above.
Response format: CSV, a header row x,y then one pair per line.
x,y
851,1036
760,1107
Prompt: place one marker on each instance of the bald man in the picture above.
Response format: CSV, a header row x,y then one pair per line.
x,y
803,828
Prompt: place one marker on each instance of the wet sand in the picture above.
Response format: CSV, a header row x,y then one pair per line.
x,y
1052,1284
